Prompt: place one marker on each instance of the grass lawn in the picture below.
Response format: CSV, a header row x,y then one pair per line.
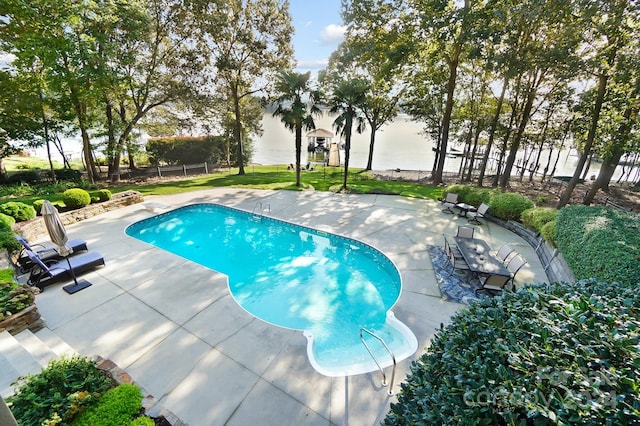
x,y
256,177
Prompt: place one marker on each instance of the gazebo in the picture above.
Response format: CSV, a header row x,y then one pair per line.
x,y
318,140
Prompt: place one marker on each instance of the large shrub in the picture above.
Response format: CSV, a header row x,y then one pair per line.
x,y
76,198
509,205
6,221
600,242
60,391
186,150
550,354
537,217
17,210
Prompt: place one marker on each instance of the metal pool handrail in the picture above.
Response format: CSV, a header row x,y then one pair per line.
x,y
393,357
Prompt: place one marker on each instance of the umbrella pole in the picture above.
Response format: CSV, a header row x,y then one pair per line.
x,y
77,285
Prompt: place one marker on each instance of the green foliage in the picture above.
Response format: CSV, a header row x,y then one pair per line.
x,y
186,150
509,205
6,221
548,232
37,205
8,241
462,191
548,354
76,198
13,297
18,210
537,217
101,195
35,176
117,407
64,389
586,235
142,421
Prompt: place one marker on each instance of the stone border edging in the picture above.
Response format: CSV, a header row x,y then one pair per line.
x,y
150,404
554,264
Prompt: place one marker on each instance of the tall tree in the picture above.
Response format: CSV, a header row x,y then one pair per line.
x,y
346,100
296,105
249,42
606,27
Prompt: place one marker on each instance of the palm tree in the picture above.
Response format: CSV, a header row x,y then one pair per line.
x,y
294,112
347,99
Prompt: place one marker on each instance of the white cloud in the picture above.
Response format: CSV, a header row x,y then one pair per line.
x,y
332,34
314,64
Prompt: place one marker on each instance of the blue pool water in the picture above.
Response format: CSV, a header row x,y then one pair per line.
x,y
296,277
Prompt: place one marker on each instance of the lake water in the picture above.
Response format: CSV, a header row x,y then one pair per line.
x,y
400,144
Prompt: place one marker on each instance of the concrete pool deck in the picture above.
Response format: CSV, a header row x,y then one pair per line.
x,y
173,326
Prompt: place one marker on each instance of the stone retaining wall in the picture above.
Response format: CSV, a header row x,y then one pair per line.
x,y
553,262
35,228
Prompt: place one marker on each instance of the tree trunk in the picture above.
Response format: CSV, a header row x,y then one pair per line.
x,y
298,152
526,113
602,88
446,118
492,131
347,148
237,130
372,141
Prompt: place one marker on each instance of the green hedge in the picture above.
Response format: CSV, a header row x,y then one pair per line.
x,y
600,242
537,217
118,406
504,205
550,354
186,150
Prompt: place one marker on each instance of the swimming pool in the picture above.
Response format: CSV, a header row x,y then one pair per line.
x,y
296,277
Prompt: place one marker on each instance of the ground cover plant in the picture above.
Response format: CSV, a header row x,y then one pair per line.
x,y
13,297
600,242
72,391
549,354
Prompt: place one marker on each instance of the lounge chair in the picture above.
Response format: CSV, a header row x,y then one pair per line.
x,y
474,216
45,273
44,252
449,202
497,283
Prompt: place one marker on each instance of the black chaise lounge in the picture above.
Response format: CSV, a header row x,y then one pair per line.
x,y
48,272
44,251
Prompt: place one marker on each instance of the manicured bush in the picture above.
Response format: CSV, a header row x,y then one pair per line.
x,y
17,210
548,354
101,195
477,196
37,206
6,221
461,190
537,217
600,242
8,241
548,232
509,205
76,198
62,390
117,406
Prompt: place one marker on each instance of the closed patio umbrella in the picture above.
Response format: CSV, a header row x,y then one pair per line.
x,y
58,235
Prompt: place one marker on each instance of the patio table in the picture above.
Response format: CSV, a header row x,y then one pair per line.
x,y
464,208
477,254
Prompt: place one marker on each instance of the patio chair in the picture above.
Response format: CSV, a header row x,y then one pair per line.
x,y
474,216
504,252
465,232
455,258
497,283
45,273
44,252
449,202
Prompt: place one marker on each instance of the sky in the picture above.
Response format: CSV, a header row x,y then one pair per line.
x,y
318,32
